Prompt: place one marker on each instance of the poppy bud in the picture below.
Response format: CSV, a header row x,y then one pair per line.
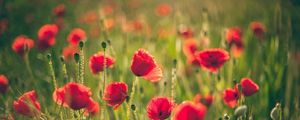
x,y
76,57
241,110
248,87
103,44
81,44
49,56
132,107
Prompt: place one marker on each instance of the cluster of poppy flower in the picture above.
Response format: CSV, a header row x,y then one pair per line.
x,y
77,96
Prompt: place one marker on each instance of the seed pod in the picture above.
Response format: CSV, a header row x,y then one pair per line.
x,y
241,110
133,107
81,44
103,44
49,56
76,57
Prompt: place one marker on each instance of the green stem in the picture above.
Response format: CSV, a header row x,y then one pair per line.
x,y
134,82
81,69
52,73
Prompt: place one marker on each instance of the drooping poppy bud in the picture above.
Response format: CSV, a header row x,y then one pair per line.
x,y
249,87
212,59
241,110
27,104
75,36
97,62
190,111
160,108
144,65
115,94
231,96
3,84
22,44
46,36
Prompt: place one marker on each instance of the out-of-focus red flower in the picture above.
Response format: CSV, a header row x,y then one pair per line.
x,y
107,9
185,32
3,84
249,87
137,25
92,109
46,36
97,62
115,94
69,51
160,108
88,17
206,100
59,10
258,29
3,25
20,43
212,59
109,23
27,104
73,95
190,46
234,39
163,9
231,96
144,65
75,36
190,111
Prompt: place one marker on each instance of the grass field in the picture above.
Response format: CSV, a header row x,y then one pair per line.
x,y
140,59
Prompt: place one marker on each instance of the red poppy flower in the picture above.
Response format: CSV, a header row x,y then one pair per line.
x,y
258,29
69,51
27,104
231,97
144,65
115,94
249,87
234,39
75,36
190,111
20,43
206,100
92,109
59,10
3,84
160,108
189,48
46,36
185,32
73,95
163,9
97,62
212,59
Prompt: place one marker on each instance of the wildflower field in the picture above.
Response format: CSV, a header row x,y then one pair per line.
x,y
149,59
